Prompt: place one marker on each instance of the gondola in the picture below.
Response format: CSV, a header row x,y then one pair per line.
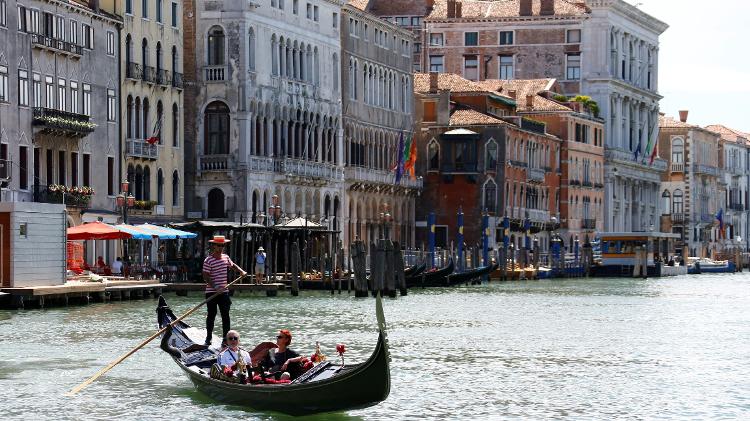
x,y
435,278
469,275
415,270
327,387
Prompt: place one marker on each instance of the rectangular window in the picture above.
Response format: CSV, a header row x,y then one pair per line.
x,y
61,179
158,11
281,4
144,9
273,3
416,21
60,28
87,34
506,67
87,169
111,105
50,168
4,172
436,40
129,7
315,13
33,20
436,63
174,15
309,11
335,19
573,36
86,99
3,83
73,32
74,97
49,90
471,67
23,88
574,66
110,43
471,38
402,20
37,166
3,13
365,30
48,24
73,168
23,164
22,19
61,94
506,38
110,176
295,7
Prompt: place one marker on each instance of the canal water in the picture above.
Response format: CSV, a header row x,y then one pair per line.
x,y
674,348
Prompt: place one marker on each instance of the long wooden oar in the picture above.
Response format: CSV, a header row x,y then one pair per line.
x,y
142,344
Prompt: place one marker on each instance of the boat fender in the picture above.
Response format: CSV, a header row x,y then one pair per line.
x,y
166,347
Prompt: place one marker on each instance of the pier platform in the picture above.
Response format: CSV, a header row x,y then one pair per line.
x,y
82,292
270,289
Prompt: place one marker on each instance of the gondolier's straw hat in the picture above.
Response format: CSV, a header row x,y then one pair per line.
x,y
219,239
261,249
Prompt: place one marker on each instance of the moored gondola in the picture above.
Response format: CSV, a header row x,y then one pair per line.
x,y
324,388
469,275
414,270
435,278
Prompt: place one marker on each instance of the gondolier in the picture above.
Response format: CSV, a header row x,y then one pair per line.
x,y
215,269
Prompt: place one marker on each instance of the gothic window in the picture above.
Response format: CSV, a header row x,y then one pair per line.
x,y
490,196
251,50
677,151
433,156
175,189
666,202
490,156
216,129
677,202
160,187
216,46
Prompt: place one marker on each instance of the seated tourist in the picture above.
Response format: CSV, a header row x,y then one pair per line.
x,y
233,359
117,266
284,363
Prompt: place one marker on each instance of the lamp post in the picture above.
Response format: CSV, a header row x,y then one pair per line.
x,y
385,219
124,201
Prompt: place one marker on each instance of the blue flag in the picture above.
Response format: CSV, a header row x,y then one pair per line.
x,y
637,152
720,217
400,155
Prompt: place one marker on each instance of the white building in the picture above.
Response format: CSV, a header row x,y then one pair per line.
x,y
620,71
265,101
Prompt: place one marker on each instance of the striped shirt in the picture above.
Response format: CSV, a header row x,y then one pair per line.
x,y
217,270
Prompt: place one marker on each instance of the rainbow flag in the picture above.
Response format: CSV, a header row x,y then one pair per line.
x,y
412,158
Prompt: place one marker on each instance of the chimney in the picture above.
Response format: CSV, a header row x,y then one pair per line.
x,y
512,93
433,82
525,8
530,101
683,116
459,6
430,4
451,9
548,8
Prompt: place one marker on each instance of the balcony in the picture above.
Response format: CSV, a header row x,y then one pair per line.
x,y
261,164
574,182
57,46
598,185
587,183
62,123
627,157
533,126
538,215
535,175
518,164
706,169
76,197
379,177
177,81
588,224
149,74
214,163
299,168
162,77
707,218
678,167
215,73
137,148
133,70
738,207
678,218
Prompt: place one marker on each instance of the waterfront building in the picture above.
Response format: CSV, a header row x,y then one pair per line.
x,y
580,211
151,107
692,187
59,91
479,157
263,110
377,105
734,167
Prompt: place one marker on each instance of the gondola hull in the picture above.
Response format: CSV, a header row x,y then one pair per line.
x,y
326,387
437,278
469,275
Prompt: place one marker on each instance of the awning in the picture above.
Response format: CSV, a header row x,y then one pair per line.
x,y
96,231
166,233
138,233
301,223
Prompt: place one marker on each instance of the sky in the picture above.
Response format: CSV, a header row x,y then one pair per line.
x,y
704,59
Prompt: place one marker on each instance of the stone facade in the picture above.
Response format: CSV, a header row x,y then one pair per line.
x,y
152,106
264,90
377,103
408,15
59,82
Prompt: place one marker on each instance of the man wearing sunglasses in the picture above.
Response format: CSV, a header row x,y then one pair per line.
x,y
284,363
234,357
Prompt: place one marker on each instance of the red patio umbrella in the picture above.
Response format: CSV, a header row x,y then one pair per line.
x,y
96,231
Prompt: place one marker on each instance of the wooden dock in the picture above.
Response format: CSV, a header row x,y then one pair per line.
x,y
270,289
82,292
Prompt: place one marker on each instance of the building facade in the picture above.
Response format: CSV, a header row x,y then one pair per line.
x,y
59,95
377,104
264,91
406,14
152,106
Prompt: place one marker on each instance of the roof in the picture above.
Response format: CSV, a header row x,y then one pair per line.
x,y
466,117
666,121
484,9
359,4
728,134
398,7
446,81
524,87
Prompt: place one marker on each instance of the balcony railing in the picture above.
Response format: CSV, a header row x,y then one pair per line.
x,y
62,123
214,163
678,167
44,194
162,77
56,45
598,185
137,148
587,183
574,182
149,74
215,73
177,81
538,215
739,207
133,70
706,169
588,224
381,177
535,174
517,163
678,218
303,168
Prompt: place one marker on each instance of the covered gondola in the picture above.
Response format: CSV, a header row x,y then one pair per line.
x,y
324,388
469,275
435,278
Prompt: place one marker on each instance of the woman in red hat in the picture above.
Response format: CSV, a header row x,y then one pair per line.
x,y
215,269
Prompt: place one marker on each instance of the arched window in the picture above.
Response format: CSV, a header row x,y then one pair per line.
x,y
128,53
146,129
490,196
175,189
677,151
490,156
335,72
137,119
159,120
146,183
215,46
129,118
677,208
216,129
160,187
175,125
216,204
274,56
159,64
138,183
433,155
251,50
175,63
666,199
